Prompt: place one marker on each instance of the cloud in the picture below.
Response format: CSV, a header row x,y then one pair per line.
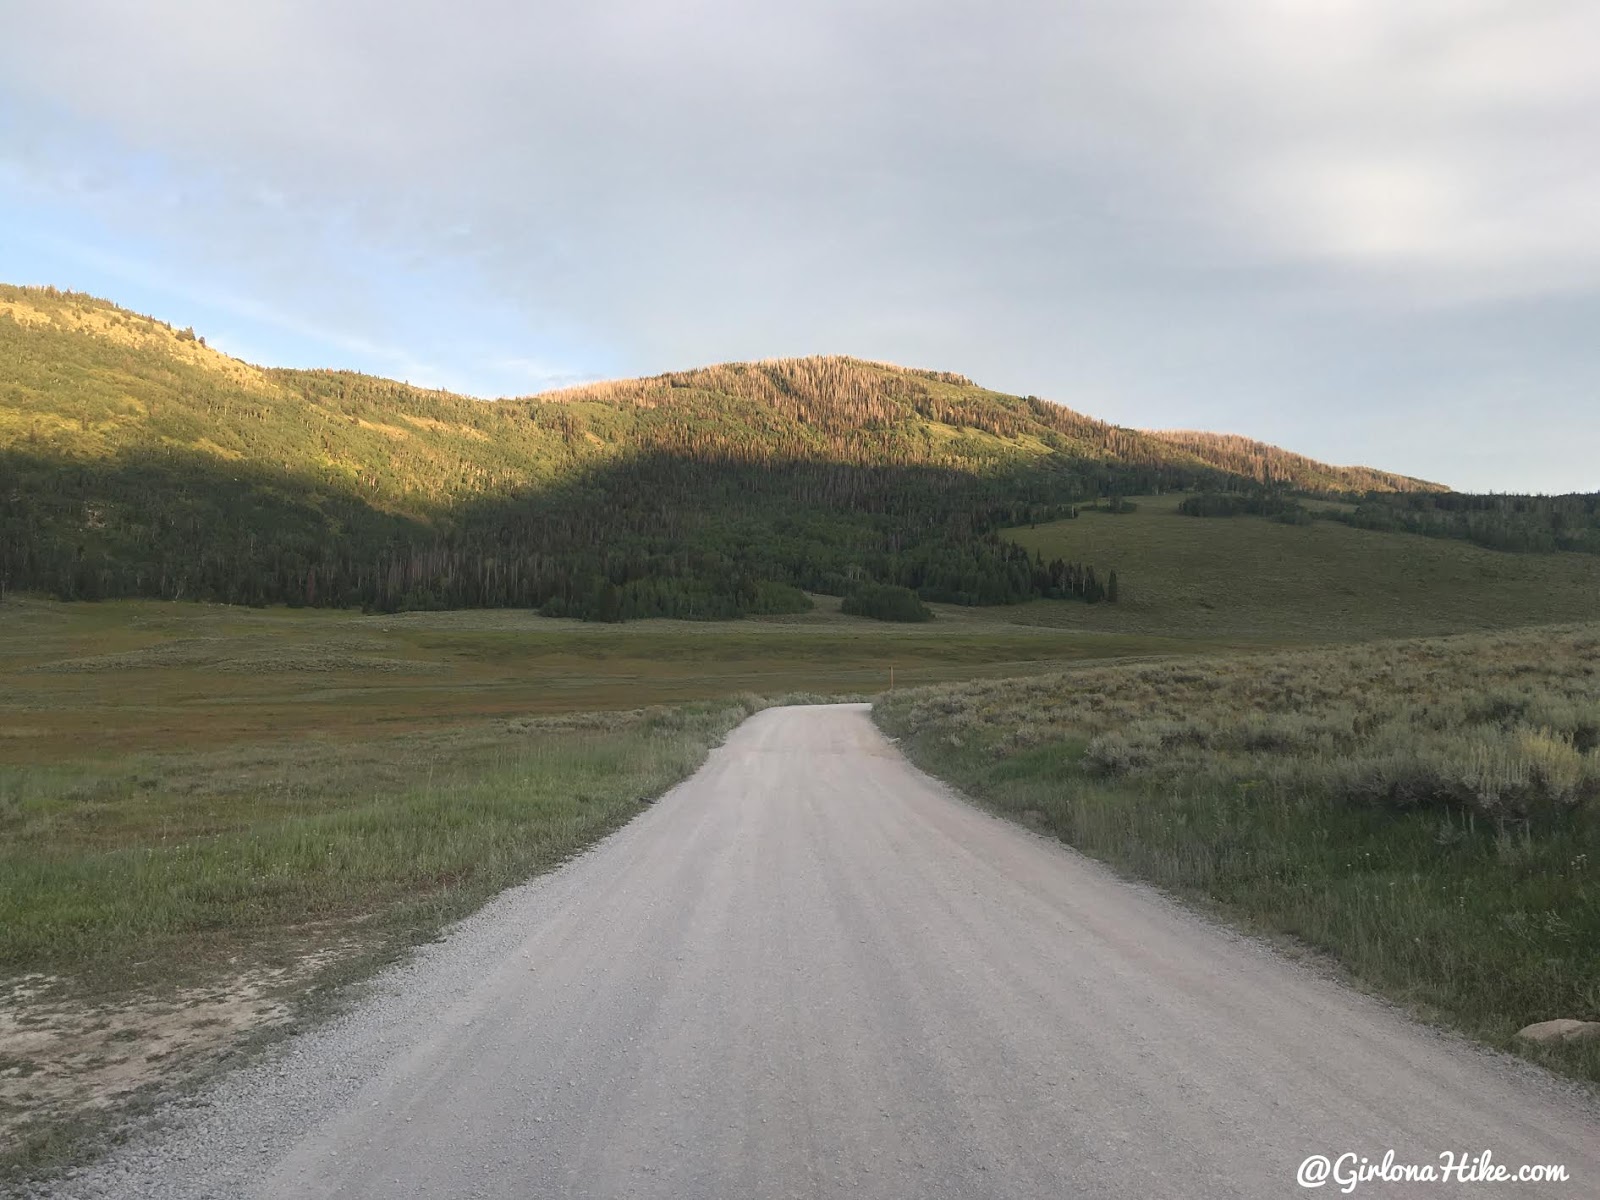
x,y
1180,212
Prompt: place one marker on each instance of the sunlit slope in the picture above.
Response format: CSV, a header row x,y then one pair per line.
x,y
1270,464
81,379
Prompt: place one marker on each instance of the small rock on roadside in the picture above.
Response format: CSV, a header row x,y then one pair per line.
x,y
1563,1029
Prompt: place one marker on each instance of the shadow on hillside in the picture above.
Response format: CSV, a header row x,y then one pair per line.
x,y
710,529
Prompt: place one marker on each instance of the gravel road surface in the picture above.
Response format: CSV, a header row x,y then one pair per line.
x,y
811,971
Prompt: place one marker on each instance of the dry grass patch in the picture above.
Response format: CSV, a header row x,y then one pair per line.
x,y
64,1057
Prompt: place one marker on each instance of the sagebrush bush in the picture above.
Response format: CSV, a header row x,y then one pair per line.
x,y
1116,754
1506,725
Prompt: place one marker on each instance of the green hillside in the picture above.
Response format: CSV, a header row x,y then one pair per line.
x,y
1257,578
136,461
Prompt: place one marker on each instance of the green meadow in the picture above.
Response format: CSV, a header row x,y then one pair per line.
x,y
1257,580
130,677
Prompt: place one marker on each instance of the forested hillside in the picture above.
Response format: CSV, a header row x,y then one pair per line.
x,y
1273,467
135,460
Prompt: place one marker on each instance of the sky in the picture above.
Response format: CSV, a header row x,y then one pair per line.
x,y
1367,230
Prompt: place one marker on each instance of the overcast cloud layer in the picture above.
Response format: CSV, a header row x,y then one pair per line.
x,y
1365,229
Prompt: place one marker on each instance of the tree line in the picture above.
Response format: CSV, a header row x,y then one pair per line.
x,y
1513,523
1537,524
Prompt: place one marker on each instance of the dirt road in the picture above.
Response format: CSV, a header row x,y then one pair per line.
x,y
811,972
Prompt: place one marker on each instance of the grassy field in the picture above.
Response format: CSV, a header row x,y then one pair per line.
x,y
1256,579
137,676
210,816
1427,812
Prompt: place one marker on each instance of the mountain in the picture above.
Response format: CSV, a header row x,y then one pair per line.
x,y
136,460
